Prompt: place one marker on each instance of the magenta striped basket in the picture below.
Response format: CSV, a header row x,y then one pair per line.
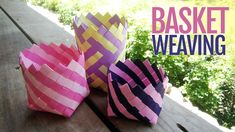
x,y
55,78
136,90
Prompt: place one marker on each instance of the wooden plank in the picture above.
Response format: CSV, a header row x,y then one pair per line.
x,y
32,22
14,115
171,114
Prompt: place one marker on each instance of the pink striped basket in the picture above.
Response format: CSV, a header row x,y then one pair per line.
x,y
136,90
55,78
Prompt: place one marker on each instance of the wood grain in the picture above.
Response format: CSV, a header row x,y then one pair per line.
x,y
39,27
172,114
14,115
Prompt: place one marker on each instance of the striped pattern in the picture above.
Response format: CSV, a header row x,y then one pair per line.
x,y
136,90
55,78
102,38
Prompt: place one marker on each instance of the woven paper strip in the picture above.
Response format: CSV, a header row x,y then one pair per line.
x,y
136,90
102,38
55,78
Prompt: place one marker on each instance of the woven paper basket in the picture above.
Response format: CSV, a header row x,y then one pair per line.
x,y
102,38
136,90
55,78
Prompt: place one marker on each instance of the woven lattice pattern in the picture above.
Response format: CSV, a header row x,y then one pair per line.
x,y
102,38
136,90
55,78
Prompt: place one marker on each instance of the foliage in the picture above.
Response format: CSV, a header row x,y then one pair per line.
x,y
66,16
226,110
201,73
52,5
37,2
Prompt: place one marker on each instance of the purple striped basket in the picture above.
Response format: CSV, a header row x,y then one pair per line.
x,y
55,78
136,90
102,38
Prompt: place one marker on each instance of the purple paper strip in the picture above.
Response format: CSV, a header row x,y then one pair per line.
x,y
115,19
94,20
102,30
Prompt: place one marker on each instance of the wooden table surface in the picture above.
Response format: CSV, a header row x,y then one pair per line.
x,y
20,26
